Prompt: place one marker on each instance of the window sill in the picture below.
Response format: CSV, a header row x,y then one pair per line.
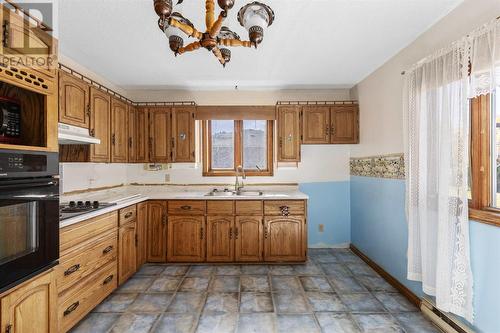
x,y
228,173
485,216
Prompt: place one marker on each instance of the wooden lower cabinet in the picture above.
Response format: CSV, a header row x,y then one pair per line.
x,y
186,239
284,238
248,238
127,251
220,238
157,231
32,307
141,234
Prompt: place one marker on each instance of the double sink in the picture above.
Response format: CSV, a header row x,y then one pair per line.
x,y
228,193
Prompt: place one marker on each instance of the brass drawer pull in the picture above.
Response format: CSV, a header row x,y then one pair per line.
x,y
285,210
71,308
202,233
72,269
107,250
129,214
236,233
186,207
230,233
108,279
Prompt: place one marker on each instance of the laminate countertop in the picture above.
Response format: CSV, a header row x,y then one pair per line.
x,y
125,196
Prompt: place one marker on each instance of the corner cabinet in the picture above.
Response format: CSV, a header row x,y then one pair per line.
x,y
284,238
344,124
119,131
289,133
32,307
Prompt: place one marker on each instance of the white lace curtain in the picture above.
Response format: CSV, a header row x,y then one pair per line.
x,y
436,109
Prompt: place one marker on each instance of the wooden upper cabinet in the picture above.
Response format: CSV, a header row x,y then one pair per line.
x,y
141,232
156,229
141,144
100,122
31,307
159,135
315,124
127,251
132,134
248,238
183,136
220,238
284,238
74,107
344,124
186,239
119,131
289,133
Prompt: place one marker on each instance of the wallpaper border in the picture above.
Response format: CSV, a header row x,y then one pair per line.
x,y
381,166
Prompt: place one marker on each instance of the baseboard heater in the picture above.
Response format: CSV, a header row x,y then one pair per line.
x,y
444,321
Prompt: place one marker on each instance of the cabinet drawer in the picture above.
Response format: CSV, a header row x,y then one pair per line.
x,y
127,214
244,208
85,230
216,207
85,260
186,207
284,208
82,298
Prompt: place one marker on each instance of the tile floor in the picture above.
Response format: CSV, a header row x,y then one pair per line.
x,y
335,291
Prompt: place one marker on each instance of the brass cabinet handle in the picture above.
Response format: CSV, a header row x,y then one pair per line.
x,y
136,240
108,279
332,130
186,207
71,308
129,214
88,110
202,231
92,132
230,233
72,269
164,219
107,250
285,210
8,329
235,233
172,142
130,142
113,139
327,129
281,142
265,232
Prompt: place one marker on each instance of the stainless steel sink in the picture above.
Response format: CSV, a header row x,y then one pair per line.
x,y
221,193
227,193
250,193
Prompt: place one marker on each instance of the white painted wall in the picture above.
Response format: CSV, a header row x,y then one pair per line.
x,y
380,94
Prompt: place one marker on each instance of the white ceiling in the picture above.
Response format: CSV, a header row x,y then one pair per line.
x,y
312,43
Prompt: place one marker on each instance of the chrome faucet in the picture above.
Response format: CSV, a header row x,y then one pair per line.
x,y
237,185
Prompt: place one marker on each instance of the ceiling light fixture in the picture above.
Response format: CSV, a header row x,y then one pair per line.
x,y
255,17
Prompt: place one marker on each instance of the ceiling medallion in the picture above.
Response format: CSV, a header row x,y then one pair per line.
x,y
254,17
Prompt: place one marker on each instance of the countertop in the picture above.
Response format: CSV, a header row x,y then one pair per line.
x,y
128,195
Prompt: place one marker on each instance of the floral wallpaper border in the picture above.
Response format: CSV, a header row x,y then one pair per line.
x,y
382,166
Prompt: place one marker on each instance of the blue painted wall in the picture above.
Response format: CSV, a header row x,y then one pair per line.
x,y
328,204
379,229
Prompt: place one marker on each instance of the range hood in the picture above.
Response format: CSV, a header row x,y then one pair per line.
x,y
73,135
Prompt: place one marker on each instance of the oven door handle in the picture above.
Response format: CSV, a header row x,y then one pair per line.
x,y
29,185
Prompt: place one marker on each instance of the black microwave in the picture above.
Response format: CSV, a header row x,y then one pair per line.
x,y
10,120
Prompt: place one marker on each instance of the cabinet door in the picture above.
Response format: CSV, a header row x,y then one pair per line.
x,y
74,108
132,134
32,307
126,252
159,133
141,136
157,231
248,238
315,124
344,127
283,238
220,238
119,131
186,239
289,134
142,218
100,122
183,134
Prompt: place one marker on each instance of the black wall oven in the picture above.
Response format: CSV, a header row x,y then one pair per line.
x,y
29,214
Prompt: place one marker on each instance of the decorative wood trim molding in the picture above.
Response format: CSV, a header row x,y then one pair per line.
x,y
490,217
388,277
352,102
382,166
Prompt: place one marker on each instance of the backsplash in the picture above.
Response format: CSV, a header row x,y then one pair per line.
x,y
381,166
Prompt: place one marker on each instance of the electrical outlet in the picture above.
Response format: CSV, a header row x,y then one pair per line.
x,y
167,177
321,227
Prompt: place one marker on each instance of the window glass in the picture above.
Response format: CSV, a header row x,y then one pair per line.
x,y
254,144
222,144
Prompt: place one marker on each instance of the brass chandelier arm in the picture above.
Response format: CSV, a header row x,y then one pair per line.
x,y
235,42
189,48
216,51
188,30
214,31
210,14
